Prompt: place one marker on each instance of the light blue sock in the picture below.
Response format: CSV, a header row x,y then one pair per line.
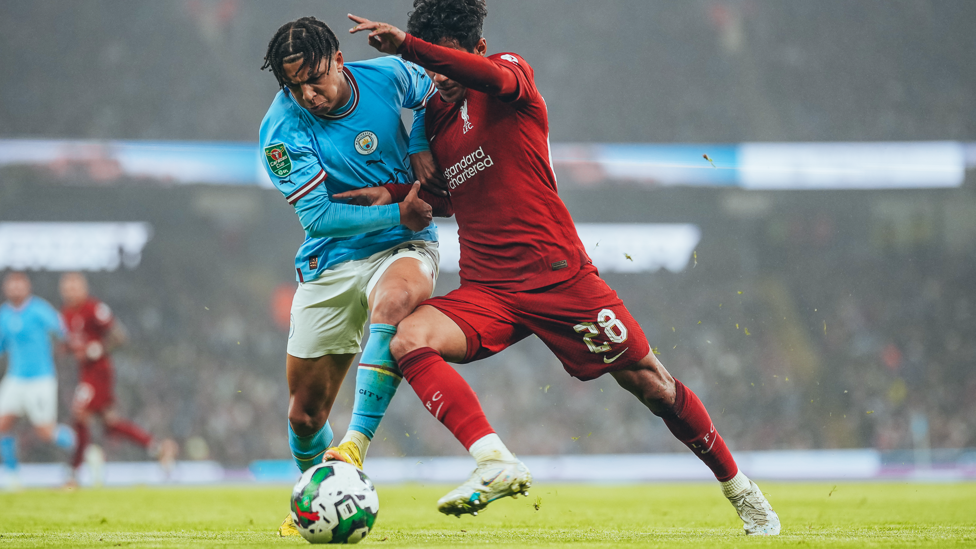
x,y
64,437
8,451
308,451
376,381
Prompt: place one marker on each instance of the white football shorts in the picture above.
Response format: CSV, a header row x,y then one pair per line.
x,y
33,398
328,313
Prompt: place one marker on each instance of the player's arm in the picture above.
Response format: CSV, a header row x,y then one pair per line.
x,y
416,88
295,170
398,193
469,70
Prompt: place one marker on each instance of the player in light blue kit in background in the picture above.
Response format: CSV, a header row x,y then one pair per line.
x,y
28,326
334,127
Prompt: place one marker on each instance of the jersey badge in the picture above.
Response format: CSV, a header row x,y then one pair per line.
x,y
278,159
313,263
464,116
510,58
366,142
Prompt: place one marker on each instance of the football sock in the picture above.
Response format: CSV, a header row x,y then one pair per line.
x,y
130,431
308,450
8,451
64,437
82,434
689,422
376,382
490,448
446,395
735,485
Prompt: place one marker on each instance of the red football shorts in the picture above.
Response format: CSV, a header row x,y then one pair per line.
x,y
94,391
582,321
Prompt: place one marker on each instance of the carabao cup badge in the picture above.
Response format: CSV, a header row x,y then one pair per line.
x,y
366,142
278,159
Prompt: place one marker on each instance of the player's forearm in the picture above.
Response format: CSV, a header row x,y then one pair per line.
x,y
441,206
469,70
341,220
418,133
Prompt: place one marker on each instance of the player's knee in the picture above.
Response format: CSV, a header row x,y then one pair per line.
x,y
392,305
654,388
410,336
306,418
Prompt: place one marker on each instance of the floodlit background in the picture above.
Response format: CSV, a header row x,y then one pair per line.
x,y
816,286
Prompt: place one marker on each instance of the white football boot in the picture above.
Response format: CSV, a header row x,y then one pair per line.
x,y
757,515
491,480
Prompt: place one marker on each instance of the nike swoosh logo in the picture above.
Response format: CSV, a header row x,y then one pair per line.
x,y
609,360
432,138
487,482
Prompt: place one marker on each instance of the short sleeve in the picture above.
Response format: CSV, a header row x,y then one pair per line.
x,y
289,156
416,86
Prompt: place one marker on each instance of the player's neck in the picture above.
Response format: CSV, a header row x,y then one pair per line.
x,y
346,98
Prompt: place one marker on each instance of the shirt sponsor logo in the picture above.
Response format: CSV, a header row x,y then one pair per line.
x,y
366,142
278,160
464,116
468,167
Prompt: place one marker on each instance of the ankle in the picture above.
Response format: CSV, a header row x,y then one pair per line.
x,y
359,439
735,485
490,448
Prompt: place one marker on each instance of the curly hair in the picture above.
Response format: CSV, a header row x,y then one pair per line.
x,y
307,39
434,20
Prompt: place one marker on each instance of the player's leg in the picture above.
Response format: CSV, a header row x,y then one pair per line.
x,y
688,420
400,283
81,421
313,384
41,408
423,341
10,410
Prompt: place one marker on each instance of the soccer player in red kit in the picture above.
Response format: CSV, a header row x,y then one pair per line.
x,y
92,334
523,268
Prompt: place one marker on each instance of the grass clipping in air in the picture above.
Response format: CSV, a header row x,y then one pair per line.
x,y
648,515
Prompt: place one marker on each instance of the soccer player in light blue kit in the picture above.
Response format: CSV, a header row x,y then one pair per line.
x,y
335,127
28,324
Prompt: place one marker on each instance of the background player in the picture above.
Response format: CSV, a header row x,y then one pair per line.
x,y
333,127
28,324
93,333
523,267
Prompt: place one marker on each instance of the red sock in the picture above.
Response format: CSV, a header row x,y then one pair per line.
x,y
82,435
691,425
446,395
129,430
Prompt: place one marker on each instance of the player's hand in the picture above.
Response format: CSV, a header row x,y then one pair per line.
x,y
367,196
383,36
415,214
425,169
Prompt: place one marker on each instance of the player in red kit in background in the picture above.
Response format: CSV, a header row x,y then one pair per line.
x,y
92,334
523,267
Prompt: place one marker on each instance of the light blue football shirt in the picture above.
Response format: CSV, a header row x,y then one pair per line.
x,y
310,158
25,336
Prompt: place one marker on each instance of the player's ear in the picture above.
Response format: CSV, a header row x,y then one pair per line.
x,y
481,48
338,61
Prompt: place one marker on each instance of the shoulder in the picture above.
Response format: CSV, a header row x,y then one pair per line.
x,y
99,310
389,66
514,59
284,122
42,305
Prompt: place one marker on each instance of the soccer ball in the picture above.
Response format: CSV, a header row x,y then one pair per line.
x,y
334,502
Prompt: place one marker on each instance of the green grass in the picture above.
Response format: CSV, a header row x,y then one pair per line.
x,y
647,515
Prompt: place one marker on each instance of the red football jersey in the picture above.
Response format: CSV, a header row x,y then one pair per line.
x,y
88,322
516,234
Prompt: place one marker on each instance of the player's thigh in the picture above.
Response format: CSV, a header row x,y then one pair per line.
x,y
328,313
467,324
11,403
41,401
402,281
587,326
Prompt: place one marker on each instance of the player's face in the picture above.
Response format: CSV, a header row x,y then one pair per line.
x,y
74,288
16,288
316,90
451,91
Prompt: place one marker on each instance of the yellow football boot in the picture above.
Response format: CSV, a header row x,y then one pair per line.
x,y
348,452
287,528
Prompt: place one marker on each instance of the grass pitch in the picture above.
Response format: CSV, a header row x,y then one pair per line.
x,y
647,515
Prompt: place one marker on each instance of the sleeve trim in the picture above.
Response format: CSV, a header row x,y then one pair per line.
x,y
300,192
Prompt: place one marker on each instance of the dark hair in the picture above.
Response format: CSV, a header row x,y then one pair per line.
x,y
434,20
307,39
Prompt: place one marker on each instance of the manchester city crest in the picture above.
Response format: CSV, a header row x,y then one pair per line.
x,y
366,142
